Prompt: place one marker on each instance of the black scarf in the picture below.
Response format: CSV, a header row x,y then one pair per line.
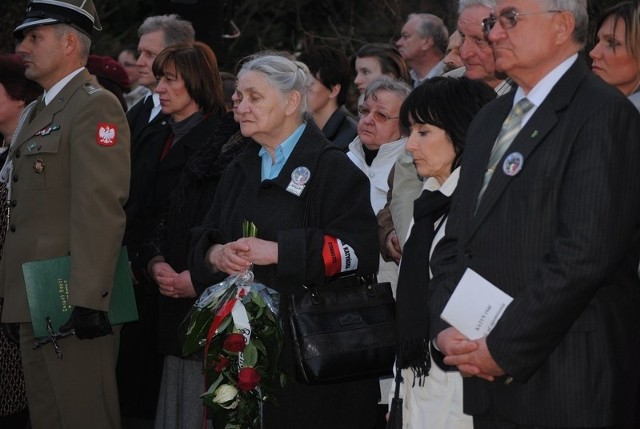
x,y
412,318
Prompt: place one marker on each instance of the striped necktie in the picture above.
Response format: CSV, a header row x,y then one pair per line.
x,y
510,129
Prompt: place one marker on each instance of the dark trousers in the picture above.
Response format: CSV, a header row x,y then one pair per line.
x,y
491,420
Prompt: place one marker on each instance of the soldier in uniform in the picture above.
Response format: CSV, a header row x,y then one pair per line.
x,y
68,170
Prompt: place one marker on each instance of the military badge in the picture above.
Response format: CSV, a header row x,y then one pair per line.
x,y
47,130
106,134
38,166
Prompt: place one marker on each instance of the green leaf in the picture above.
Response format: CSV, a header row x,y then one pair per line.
x,y
250,354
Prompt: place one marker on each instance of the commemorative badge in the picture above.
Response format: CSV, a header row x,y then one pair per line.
x,y
38,166
299,178
106,134
513,164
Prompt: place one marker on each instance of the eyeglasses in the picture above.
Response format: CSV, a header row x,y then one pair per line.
x,y
377,116
508,19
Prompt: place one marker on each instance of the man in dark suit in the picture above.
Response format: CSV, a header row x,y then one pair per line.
x,y
139,365
555,227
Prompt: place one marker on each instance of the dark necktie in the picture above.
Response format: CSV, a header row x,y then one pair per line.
x,y
147,107
40,105
412,319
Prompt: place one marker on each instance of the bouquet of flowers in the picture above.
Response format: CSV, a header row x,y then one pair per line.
x,y
236,321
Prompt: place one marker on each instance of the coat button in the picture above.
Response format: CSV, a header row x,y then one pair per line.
x,y
15,178
13,203
12,228
17,154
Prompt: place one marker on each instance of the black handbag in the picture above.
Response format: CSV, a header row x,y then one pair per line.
x,y
343,331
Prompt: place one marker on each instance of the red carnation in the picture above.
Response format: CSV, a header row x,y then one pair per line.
x,y
221,364
234,343
248,379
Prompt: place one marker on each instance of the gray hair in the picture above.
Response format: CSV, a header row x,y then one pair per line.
x,y
463,4
386,83
175,29
84,41
432,26
283,74
578,8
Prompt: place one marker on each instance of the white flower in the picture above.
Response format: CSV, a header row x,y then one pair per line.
x,y
224,394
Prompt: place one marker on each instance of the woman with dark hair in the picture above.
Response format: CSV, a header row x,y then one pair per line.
x,y
192,161
616,54
16,92
377,59
437,115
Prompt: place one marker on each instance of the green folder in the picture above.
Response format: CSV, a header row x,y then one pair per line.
x,y
47,284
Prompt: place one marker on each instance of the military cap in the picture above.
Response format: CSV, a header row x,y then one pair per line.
x,y
80,14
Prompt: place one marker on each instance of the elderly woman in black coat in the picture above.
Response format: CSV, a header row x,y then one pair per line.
x,y
287,184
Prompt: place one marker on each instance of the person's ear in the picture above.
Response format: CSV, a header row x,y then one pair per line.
x,y
335,91
293,102
564,25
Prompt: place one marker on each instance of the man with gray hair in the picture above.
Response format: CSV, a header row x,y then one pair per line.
x,y
139,365
476,50
423,43
546,210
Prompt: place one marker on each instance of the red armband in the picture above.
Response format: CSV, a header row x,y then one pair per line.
x,y
338,257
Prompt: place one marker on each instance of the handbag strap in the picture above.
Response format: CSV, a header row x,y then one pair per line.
x,y
325,149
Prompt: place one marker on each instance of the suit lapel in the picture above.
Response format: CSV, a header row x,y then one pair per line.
x,y
532,135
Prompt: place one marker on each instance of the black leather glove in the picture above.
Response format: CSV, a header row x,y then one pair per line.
x,y
87,323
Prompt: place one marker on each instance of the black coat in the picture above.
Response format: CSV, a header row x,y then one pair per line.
x,y
186,208
340,207
341,128
147,140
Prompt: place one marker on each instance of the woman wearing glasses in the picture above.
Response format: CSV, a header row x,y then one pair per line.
x,y
616,54
378,145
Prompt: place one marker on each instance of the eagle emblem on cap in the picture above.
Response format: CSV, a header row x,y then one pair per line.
x,y
106,134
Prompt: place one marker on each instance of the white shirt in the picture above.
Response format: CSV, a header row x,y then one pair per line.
x,y
55,89
539,92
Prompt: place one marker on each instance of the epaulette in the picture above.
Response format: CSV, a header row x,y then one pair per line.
x,y
91,88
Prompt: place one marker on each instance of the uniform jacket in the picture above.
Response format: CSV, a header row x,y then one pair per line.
x,y
70,180
561,237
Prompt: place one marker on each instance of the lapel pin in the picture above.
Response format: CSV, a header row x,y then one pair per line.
x,y
299,178
31,147
534,134
513,164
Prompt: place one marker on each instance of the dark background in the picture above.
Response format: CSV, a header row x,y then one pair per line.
x,y
287,25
